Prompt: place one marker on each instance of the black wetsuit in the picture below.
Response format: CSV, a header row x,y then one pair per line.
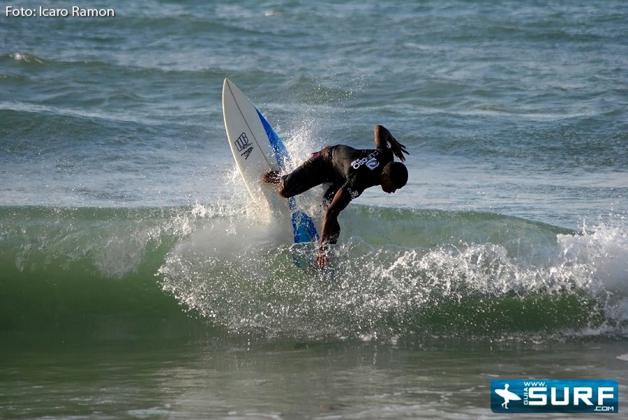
x,y
341,166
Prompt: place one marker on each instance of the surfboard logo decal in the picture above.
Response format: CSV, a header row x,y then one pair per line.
x,y
244,146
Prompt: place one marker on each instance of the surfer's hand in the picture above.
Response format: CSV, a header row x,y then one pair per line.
x,y
321,257
271,177
321,260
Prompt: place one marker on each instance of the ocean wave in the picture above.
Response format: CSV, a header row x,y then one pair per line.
x,y
91,271
19,107
117,70
26,58
404,273
395,273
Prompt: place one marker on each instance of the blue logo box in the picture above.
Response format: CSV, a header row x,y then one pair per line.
x,y
554,396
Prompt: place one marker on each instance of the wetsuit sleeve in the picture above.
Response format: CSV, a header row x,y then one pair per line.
x,y
331,227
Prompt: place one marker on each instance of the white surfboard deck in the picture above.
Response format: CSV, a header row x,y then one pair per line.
x,y
250,147
257,149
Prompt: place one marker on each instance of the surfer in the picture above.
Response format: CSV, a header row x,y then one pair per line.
x,y
349,172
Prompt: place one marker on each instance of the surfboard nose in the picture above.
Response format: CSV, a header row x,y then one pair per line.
x,y
225,86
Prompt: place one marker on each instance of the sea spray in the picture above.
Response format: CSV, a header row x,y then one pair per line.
x,y
458,288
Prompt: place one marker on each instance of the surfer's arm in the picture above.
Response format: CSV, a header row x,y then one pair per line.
x,y
385,141
331,227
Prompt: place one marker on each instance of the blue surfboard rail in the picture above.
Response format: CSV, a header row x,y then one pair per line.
x,y
303,226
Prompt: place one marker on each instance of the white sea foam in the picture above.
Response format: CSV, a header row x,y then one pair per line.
x,y
604,249
244,286
26,58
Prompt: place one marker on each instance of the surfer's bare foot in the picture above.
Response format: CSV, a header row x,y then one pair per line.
x,y
271,177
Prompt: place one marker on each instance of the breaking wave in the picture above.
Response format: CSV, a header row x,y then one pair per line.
x,y
395,273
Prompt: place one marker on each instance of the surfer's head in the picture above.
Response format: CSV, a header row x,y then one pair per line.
x,y
394,176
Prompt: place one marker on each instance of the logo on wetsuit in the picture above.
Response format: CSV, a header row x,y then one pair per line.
x,y
370,161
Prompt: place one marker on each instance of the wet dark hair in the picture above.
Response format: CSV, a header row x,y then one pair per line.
x,y
397,172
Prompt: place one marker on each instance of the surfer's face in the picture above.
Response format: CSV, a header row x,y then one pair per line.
x,y
387,185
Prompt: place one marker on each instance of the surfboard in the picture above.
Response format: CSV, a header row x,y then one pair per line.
x,y
257,149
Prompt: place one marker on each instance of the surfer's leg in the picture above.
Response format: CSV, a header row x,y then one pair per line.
x,y
311,173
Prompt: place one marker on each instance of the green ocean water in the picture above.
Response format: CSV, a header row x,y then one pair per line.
x,y
137,281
